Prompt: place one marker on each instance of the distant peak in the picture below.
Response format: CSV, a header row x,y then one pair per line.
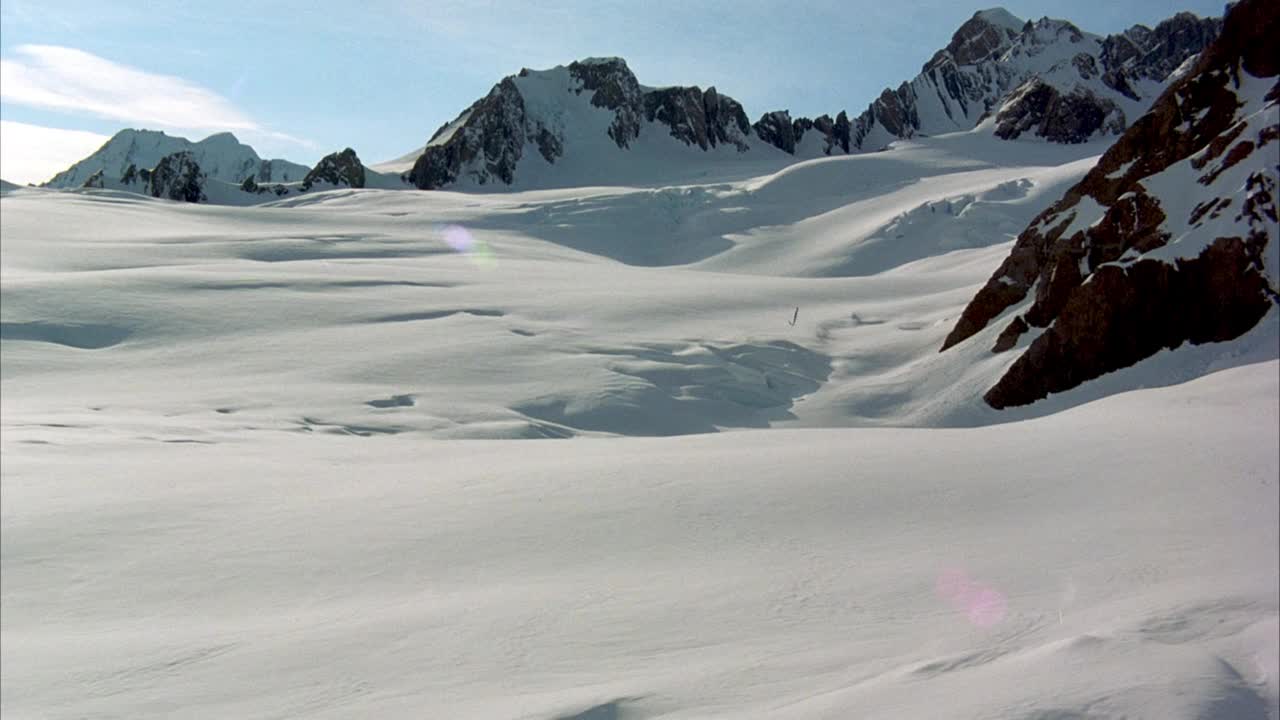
x,y
221,138
1000,17
603,61
134,132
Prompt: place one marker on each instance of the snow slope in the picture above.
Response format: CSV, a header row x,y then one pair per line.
x,y
279,442
1116,560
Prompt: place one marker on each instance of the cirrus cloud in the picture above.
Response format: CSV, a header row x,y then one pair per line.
x,y
66,79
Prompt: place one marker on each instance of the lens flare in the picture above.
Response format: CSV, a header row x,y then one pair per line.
x,y
463,242
982,605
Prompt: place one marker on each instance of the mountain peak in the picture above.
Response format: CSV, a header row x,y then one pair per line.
x,y
1000,18
610,60
221,155
222,138
987,33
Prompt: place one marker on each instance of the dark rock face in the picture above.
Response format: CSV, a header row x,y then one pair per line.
x,y
1100,302
1045,111
894,110
613,86
1173,41
777,129
705,119
1143,53
1125,314
974,41
177,177
492,132
94,181
727,122
679,108
337,169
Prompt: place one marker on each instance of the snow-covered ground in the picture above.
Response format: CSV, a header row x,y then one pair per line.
x,y
261,462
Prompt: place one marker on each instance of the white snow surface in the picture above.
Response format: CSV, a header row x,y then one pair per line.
x,y
271,461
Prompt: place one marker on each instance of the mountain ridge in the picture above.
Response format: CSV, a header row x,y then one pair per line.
x,y
592,122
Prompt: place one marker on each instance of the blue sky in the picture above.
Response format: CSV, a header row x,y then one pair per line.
x,y
299,80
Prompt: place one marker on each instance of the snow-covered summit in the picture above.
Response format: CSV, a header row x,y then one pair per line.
x,y
593,122
220,156
567,124
999,17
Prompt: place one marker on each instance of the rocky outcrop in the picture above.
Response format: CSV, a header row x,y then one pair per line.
x,y
985,36
614,87
777,129
491,137
1042,109
1141,52
695,117
176,177
1096,279
337,169
94,181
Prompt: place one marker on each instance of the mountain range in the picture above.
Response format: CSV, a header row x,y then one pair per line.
x,y
592,122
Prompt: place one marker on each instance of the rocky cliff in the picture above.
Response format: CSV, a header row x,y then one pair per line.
x,y
1171,238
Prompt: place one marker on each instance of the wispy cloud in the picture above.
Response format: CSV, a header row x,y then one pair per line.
x,y
59,78
33,153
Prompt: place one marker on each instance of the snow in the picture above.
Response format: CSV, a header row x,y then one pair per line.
x,y
276,461
402,164
1179,190
1123,564
1001,18
221,156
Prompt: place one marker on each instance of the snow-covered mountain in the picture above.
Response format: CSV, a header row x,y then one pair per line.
x,y
220,157
592,122
1048,78
566,125
180,176
1171,238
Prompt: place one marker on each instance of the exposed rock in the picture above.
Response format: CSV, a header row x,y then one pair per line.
x,y
726,121
493,134
694,117
337,169
681,109
1063,118
94,181
1124,314
777,129
1102,300
613,86
177,177
1143,53
978,39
